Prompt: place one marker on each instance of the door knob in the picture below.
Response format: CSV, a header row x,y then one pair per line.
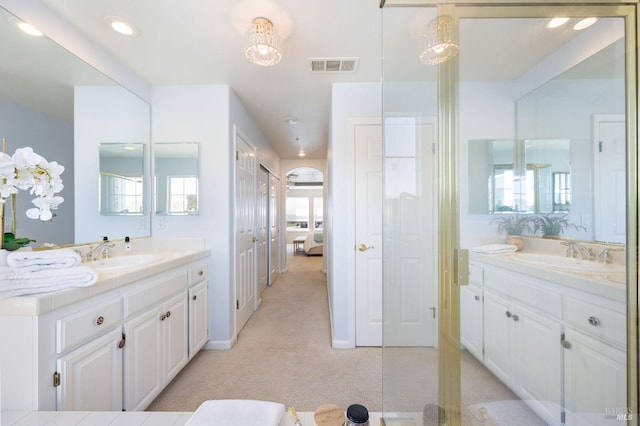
x,y
364,247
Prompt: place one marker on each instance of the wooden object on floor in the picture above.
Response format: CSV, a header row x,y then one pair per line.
x,y
329,415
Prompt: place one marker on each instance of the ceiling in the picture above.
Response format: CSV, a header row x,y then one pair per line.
x,y
201,42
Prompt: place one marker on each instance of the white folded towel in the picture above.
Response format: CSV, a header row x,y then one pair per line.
x,y
237,412
495,248
19,283
43,259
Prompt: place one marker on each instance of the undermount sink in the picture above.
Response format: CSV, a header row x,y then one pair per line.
x,y
567,264
124,262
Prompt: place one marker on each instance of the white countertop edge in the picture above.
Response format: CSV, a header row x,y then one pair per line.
x,y
602,288
38,304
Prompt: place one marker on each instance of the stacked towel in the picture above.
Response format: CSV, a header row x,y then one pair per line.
x,y
495,248
31,261
14,282
237,412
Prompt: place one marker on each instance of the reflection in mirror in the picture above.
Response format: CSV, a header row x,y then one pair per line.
x,y
176,178
585,104
43,104
121,179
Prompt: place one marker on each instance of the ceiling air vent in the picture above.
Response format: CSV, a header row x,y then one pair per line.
x,y
333,64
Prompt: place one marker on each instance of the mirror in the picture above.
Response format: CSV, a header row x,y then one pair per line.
x,y
585,104
121,179
569,144
530,176
176,178
42,105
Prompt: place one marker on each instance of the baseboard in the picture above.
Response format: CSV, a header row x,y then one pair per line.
x,y
219,344
341,344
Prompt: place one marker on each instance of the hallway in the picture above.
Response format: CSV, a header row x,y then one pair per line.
x,y
283,354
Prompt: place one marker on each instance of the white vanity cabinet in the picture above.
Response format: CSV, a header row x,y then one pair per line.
x,y
472,314
198,307
595,374
90,377
522,330
156,337
558,342
110,347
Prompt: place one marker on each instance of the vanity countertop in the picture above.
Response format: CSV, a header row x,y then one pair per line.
x,y
38,304
609,285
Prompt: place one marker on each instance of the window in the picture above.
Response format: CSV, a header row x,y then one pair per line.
x,y
123,194
297,213
183,194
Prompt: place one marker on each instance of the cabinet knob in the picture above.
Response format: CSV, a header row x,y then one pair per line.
x,y
566,344
508,314
163,317
168,314
515,318
194,297
99,320
477,297
201,273
594,321
121,343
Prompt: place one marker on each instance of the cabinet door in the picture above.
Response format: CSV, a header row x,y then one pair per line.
x,y
595,379
175,336
538,360
471,320
498,350
143,359
91,376
198,318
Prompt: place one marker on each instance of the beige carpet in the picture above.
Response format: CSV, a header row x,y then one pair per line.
x,y
284,354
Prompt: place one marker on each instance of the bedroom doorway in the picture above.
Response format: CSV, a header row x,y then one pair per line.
x,y
304,211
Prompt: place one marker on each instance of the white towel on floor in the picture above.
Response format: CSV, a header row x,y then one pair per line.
x,y
19,283
43,259
237,412
495,248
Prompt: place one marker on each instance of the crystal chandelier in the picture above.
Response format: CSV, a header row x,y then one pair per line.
x,y
263,43
440,41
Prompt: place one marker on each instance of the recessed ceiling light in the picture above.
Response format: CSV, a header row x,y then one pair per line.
x,y
557,22
585,23
27,28
121,26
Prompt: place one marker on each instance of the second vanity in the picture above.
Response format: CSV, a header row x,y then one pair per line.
x,y
112,346
554,334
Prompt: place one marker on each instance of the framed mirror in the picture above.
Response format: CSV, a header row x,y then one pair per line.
x,y
121,180
175,178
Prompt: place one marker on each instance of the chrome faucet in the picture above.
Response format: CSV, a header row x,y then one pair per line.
x,y
101,251
575,249
605,255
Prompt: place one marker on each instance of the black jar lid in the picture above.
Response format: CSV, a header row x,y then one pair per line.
x,y
357,413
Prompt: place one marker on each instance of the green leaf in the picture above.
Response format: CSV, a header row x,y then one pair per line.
x,y
11,243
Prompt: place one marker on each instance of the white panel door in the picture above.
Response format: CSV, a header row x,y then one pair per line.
x,y
263,229
175,333
610,178
411,235
245,217
498,341
471,320
368,234
274,228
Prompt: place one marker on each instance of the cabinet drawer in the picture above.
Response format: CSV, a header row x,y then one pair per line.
x,y
541,299
154,291
596,321
198,273
78,327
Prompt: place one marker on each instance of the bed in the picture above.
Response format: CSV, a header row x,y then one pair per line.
x,y
313,244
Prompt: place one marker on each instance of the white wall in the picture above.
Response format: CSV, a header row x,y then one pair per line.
x,y
106,115
52,139
348,100
207,114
